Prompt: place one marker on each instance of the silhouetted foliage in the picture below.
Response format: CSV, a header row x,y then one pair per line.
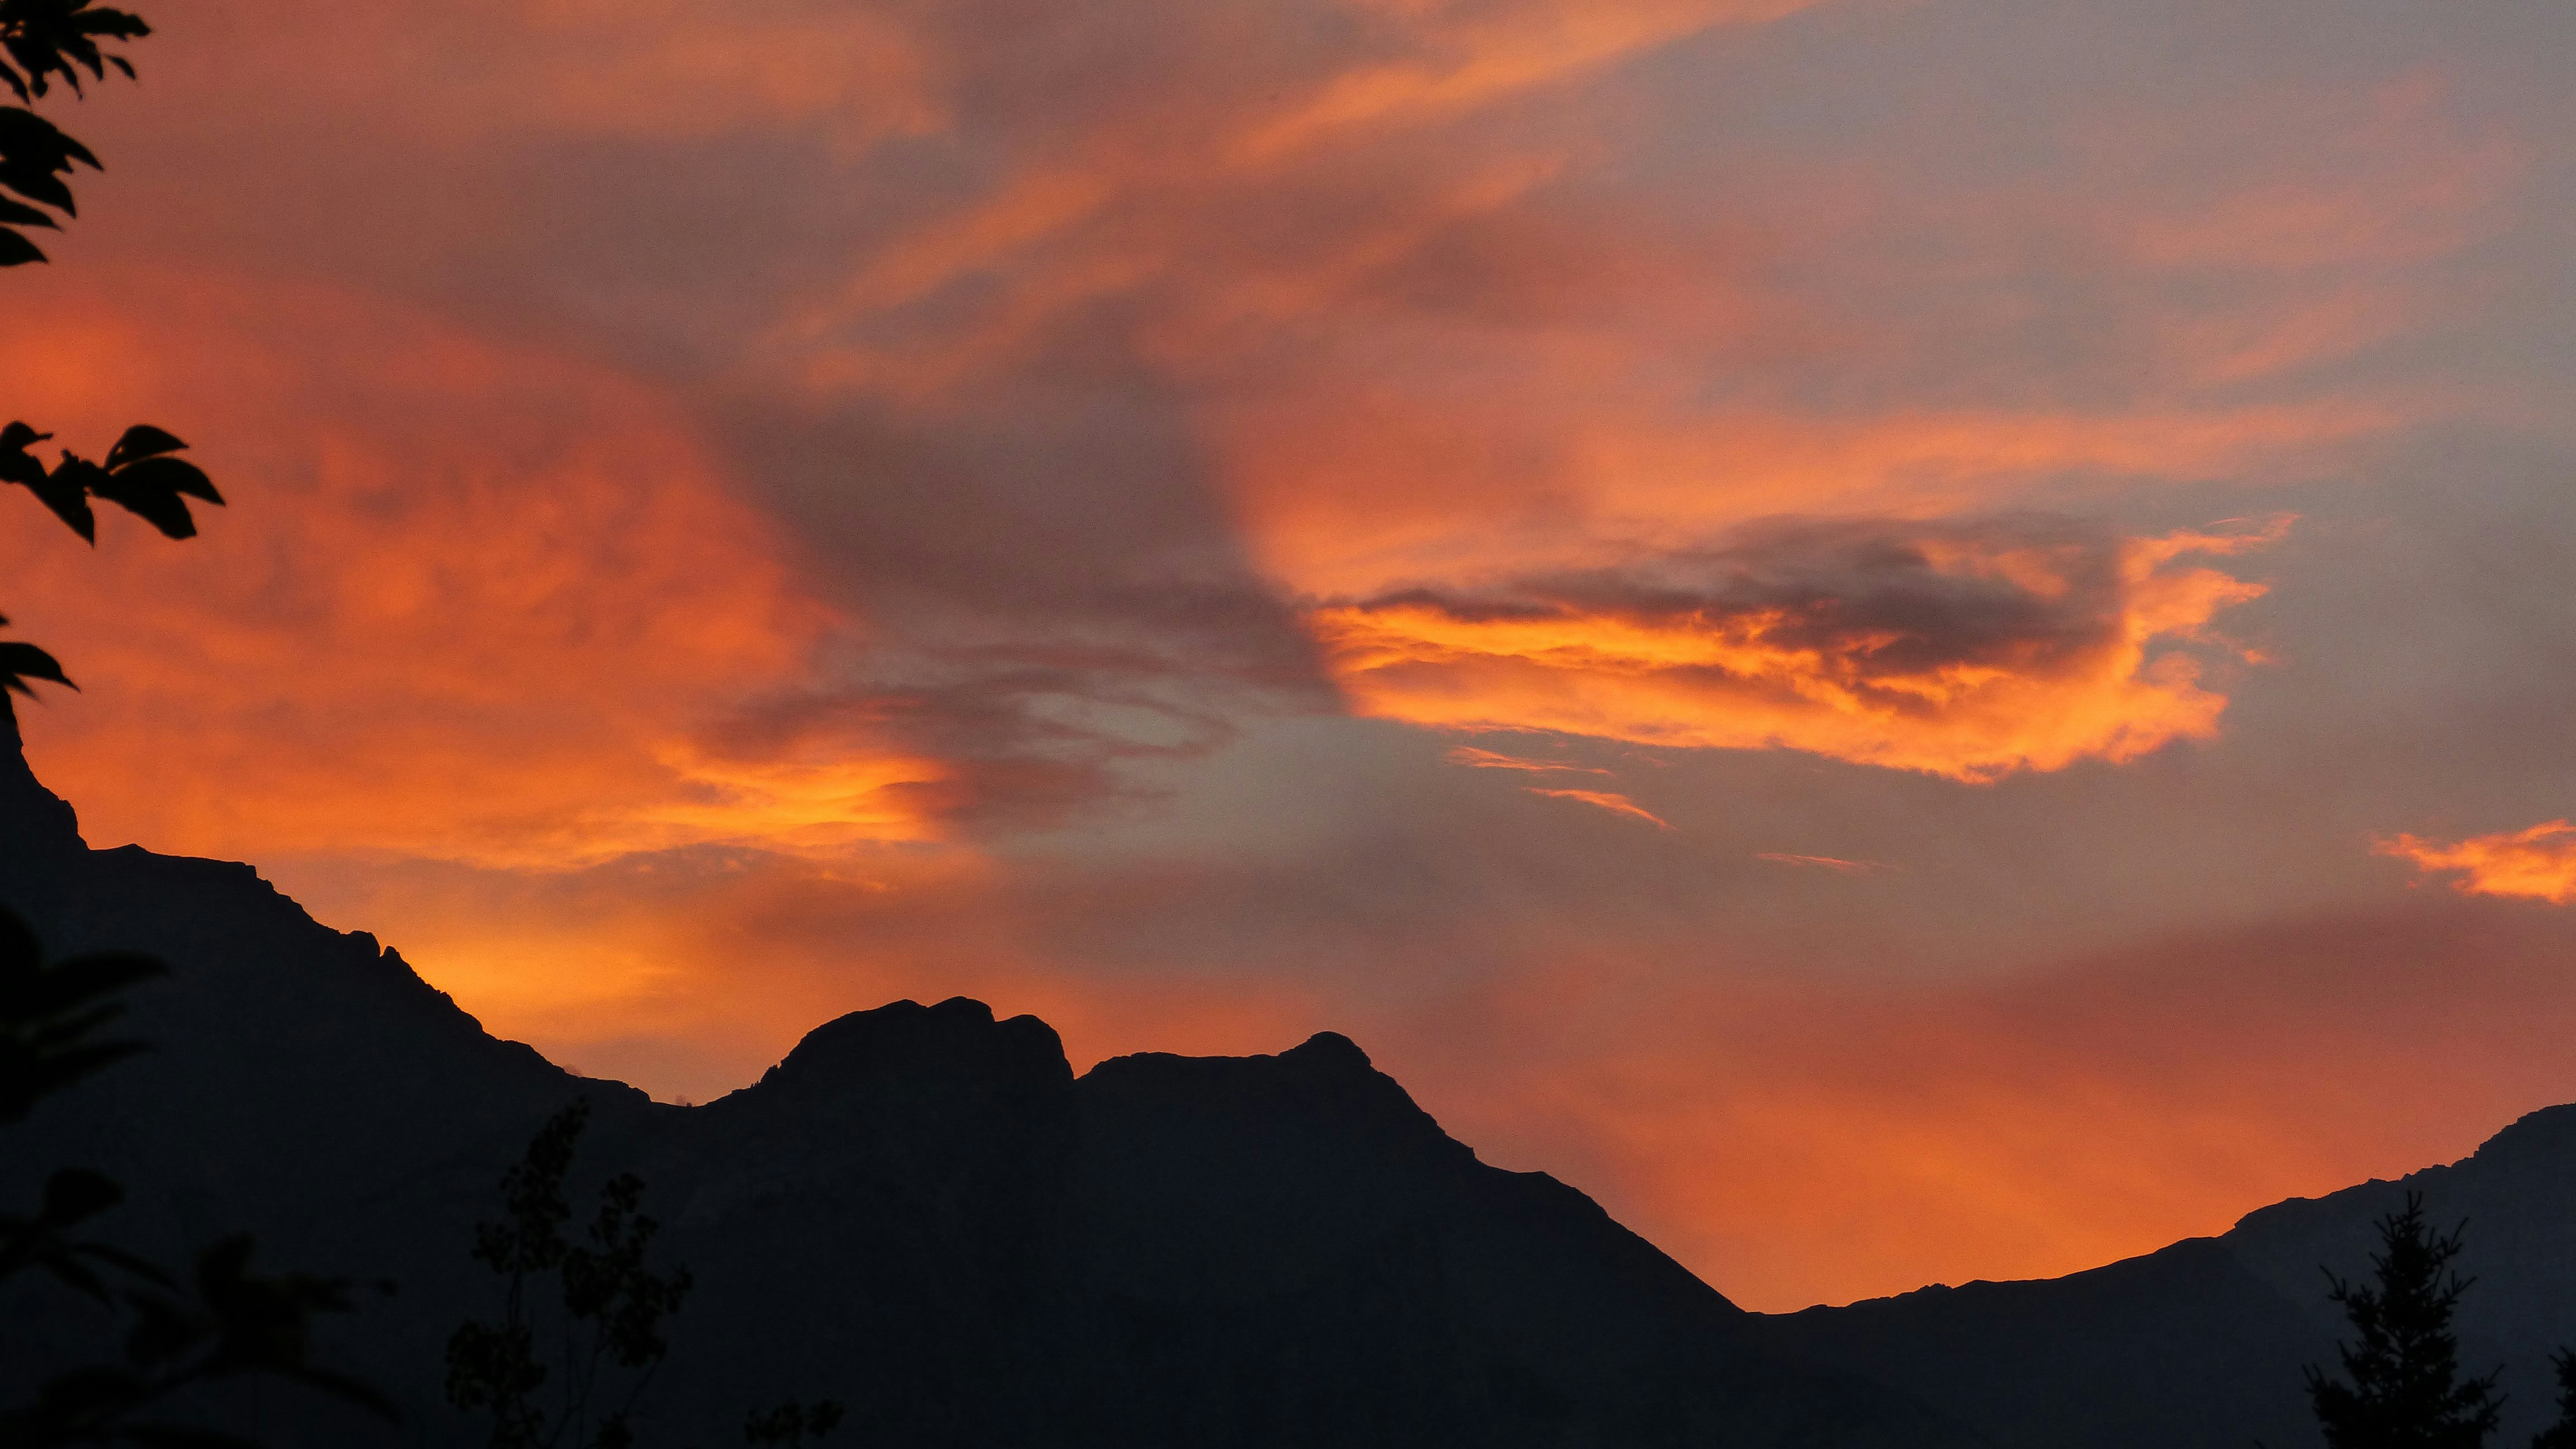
x,y
50,1013
2561,1435
139,475
612,1305
45,42
221,1321
791,1424
2405,1389
611,1313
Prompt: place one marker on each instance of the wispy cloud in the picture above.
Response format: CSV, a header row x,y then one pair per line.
x,y
1606,800
1825,862
1476,759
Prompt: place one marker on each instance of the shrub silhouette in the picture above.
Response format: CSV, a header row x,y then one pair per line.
x,y
2561,1435
792,1424
611,1314
2405,1390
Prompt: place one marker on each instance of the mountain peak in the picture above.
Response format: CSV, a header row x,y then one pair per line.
x,y
39,832
908,1042
2548,1134
1329,1048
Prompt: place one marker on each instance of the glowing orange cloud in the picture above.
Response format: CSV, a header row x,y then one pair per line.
x,y
1940,649
472,601
2538,863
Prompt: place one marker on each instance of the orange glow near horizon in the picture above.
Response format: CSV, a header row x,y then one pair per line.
x,y
2534,864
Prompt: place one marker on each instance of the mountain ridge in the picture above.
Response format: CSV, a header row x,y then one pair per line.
x,y
920,1211
2202,1342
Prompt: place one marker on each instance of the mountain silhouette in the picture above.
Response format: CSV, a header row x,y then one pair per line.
x,y
921,1212
2200,1343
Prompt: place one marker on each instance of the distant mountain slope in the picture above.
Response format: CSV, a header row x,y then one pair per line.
x,y
2201,1344
920,1212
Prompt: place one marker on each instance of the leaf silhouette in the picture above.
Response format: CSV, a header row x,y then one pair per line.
x,y
70,503
153,500
163,474
68,500
35,155
141,441
60,38
22,662
74,1194
141,475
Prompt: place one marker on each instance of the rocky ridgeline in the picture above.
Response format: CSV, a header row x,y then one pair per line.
x,y
923,1213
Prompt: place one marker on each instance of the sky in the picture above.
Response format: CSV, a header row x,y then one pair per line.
x,y
1912,640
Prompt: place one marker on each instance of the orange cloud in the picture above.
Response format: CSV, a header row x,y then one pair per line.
x,y
473,601
1476,759
1949,649
2538,863
1498,53
652,70
1550,467
1605,800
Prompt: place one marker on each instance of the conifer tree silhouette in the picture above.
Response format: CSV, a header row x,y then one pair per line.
x,y
2405,1390
2561,1435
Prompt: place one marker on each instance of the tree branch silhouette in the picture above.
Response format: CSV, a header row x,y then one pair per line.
x,y
45,44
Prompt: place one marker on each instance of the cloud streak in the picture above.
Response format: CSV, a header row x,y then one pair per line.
x,y
1611,801
1824,862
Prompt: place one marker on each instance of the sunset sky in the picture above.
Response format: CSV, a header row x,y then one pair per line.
x,y
1910,639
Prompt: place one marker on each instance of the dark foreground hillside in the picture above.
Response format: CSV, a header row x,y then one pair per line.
x,y
2199,1345
921,1212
